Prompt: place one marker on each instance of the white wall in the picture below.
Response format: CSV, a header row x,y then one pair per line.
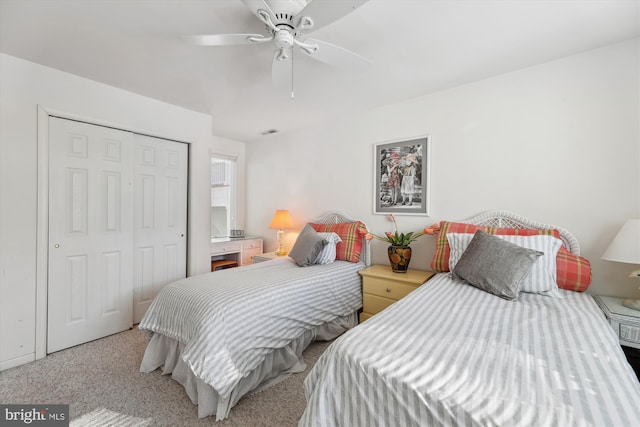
x,y
558,143
23,87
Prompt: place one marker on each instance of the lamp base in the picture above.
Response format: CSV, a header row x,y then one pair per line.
x,y
281,253
633,304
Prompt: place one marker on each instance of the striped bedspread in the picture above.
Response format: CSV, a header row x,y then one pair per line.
x,y
229,320
451,355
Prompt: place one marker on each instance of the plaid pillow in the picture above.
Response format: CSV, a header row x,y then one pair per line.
x,y
525,232
573,271
440,260
350,249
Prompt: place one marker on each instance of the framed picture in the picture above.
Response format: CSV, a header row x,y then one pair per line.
x,y
401,177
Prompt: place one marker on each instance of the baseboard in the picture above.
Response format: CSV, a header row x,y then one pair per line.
x,y
17,361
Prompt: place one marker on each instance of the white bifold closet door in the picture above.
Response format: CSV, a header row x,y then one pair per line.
x,y
97,229
160,212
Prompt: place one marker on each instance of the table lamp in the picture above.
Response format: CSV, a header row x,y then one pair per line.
x,y
281,219
626,248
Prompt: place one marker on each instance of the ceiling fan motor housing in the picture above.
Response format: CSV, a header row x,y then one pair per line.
x,y
283,20
284,11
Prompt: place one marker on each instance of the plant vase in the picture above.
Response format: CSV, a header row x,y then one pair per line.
x,y
399,257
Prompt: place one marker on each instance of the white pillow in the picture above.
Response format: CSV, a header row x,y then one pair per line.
x,y
541,279
328,253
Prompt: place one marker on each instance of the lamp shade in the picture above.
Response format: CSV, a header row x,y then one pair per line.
x,y
626,246
281,219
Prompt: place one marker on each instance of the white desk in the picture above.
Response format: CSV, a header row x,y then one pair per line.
x,y
240,249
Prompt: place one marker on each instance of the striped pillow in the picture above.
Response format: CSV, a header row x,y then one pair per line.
x,y
328,253
351,233
541,279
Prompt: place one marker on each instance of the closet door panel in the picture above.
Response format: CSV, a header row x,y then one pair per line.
x,y
90,232
160,220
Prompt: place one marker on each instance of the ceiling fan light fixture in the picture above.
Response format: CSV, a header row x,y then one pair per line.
x,y
283,39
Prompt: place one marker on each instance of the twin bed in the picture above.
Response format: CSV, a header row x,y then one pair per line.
x,y
222,335
448,354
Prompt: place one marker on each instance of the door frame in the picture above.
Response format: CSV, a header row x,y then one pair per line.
x,y
42,216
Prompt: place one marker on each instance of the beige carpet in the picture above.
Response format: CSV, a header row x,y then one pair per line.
x,y
102,384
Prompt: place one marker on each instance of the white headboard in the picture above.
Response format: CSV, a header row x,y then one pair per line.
x,y
504,219
338,218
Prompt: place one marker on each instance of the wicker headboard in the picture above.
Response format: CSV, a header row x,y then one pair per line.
x,y
337,218
504,219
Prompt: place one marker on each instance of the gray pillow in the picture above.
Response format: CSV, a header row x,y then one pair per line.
x,y
307,246
495,265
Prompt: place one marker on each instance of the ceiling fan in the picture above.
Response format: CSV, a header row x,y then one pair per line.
x,y
287,23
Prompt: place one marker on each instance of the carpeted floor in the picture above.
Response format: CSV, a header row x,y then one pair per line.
x,y
103,386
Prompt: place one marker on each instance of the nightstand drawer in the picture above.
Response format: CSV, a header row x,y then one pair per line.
x,y
386,288
364,316
373,304
630,333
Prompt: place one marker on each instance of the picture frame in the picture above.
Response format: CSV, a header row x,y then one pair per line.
x,y
402,177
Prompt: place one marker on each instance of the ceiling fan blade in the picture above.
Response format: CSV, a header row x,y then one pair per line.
x,y
324,12
226,39
281,70
336,56
255,5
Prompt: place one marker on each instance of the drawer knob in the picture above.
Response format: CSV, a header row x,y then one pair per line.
x,y
388,290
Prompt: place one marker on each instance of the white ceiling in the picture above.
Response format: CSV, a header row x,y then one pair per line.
x,y
415,46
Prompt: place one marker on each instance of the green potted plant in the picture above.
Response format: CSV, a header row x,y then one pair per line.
x,y
399,250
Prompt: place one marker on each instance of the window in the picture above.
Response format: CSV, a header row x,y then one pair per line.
x,y
223,194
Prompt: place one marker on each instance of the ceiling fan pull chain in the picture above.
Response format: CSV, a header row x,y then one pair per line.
x,y
292,57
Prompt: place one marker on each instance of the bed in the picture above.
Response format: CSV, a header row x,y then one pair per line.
x,y
450,354
225,334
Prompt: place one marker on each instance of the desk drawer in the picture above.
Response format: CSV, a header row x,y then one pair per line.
x,y
252,244
248,254
386,288
225,248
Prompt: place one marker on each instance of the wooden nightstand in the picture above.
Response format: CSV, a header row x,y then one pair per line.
x,y
266,257
381,287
